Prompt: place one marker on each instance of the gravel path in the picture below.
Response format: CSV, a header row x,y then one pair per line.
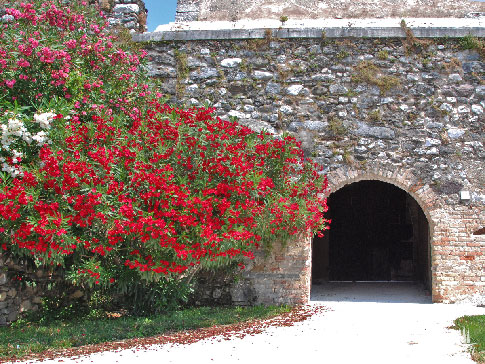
x,y
366,323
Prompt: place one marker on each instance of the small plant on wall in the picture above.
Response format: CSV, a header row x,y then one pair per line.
x,y
337,127
368,72
182,71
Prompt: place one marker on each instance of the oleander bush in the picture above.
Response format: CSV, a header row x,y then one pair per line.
x,y
101,178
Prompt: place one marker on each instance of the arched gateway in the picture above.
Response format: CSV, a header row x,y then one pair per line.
x,y
383,229
379,232
387,226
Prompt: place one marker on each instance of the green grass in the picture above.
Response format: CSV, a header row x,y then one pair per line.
x,y
24,338
475,326
368,72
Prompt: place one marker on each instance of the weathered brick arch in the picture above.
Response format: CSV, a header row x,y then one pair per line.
x,y
285,276
405,180
397,176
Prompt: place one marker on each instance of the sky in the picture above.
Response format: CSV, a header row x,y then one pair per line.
x,y
160,12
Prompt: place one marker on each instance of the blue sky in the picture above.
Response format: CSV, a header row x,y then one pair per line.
x,y
160,12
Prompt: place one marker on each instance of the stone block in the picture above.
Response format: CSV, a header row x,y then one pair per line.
x,y
12,292
12,316
375,131
126,8
204,74
262,75
162,71
294,90
25,306
231,62
337,89
242,291
273,88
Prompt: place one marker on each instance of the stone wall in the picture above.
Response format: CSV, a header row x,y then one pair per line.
x,y
187,10
283,277
16,295
402,110
131,14
23,286
234,10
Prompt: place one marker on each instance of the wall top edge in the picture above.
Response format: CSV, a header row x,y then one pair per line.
x,y
317,32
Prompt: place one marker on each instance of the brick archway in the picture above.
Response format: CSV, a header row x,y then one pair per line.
x,y
399,177
285,276
423,199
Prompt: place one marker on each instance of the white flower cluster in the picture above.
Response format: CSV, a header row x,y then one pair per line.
x,y
14,133
44,119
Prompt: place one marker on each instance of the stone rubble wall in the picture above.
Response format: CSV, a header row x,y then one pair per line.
x,y
187,10
404,111
23,287
282,277
131,14
15,296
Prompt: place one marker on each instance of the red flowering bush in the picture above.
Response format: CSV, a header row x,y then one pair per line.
x,y
58,59
105,180
50,50
175,190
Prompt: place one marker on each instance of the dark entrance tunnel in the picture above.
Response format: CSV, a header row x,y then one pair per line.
x,y
378,233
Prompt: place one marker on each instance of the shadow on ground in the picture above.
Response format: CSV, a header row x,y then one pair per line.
x,y
381,292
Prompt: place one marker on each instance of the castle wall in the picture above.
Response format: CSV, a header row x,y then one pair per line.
x,y
402,110
187,10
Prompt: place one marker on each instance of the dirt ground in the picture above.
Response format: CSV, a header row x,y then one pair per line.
x,y
232,10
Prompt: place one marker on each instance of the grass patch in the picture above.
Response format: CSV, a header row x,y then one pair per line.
x,y
383,55
411,43
368,72
474,328
25,338
182,71
375,116
337,127
260,43
474,43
